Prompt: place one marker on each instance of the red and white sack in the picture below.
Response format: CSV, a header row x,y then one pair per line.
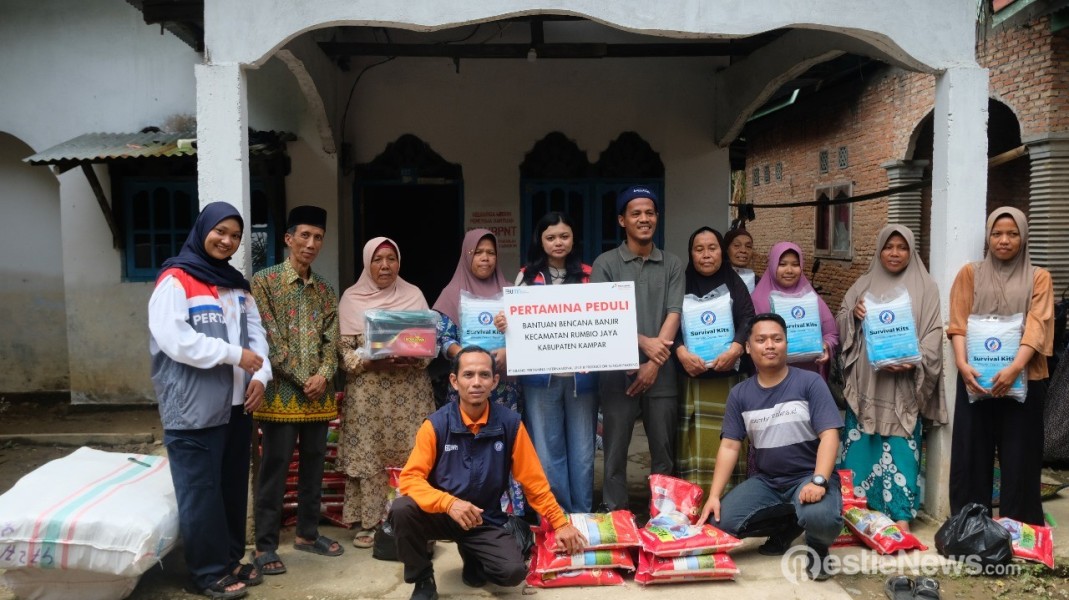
x,y
672,494
707,567
879,532
1030,542
555,562
850,499
585,577
672,534
846,538
602,531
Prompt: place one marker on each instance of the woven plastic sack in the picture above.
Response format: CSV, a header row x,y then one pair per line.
x,y
801,313
476,327
890,333
991,343
554,562
58,584
708,325
585,577
104,512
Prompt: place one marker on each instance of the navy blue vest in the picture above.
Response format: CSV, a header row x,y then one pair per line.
x,y
475,468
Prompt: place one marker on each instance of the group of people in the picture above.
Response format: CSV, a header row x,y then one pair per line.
x,y
746,423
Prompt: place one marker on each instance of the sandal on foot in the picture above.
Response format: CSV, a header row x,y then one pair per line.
x,y
218,590
267,558
365,538
321,547
926,588
899,587
250,575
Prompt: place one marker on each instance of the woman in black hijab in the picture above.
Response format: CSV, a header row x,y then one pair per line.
x,y
709,273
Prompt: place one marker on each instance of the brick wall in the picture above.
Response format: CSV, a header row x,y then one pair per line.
x,y
880,119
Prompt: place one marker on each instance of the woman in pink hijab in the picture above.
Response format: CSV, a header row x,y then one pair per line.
x,y
386,400
785,273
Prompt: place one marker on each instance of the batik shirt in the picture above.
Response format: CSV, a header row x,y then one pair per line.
x,y
301,319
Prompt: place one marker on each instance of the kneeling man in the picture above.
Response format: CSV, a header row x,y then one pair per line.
x,y
792,423
451,486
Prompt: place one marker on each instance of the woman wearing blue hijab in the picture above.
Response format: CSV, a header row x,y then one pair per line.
x,y
209,369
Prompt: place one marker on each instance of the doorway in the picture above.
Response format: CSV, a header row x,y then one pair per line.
x,y
413,196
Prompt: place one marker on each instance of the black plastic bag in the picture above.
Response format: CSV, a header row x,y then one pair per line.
x,y
521,532
385,545
973,536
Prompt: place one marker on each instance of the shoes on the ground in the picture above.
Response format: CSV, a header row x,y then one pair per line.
x,y
899,587
926,588
425,589
778,544
817,565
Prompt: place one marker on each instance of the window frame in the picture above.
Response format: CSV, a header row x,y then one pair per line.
x,y
825,215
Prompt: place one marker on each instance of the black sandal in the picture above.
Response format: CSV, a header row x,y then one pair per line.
x,y
245,574
899,587
218,590
926,588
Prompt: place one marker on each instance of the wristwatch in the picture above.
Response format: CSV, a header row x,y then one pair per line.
x,y
820,480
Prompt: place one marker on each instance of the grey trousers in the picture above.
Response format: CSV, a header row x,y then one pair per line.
x,y
660,418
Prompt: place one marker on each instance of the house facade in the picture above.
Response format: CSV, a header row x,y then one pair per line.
x,y
418,120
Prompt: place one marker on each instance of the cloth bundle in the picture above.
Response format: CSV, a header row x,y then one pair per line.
x,y
476,325
411,333
991,343
805,340
708,325
890,332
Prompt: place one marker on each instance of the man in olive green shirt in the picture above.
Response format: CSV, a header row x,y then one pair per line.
x,y
299,310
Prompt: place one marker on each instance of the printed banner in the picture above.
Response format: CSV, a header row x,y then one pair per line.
x,y
564,328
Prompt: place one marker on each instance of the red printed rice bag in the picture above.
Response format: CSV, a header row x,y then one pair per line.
x,y
647,579
879,532
1030,542
671,534
850,500
671,494
708,566
571,578
553,562
602,531
846,538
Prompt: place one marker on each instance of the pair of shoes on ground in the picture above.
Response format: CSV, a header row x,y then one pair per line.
x,y
900,587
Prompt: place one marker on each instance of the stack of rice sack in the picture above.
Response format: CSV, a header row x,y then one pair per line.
x,y
610,537
87,525
675,547
871,527
333,482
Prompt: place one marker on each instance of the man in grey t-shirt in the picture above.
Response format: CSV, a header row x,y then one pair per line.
x,y
651,390
793,426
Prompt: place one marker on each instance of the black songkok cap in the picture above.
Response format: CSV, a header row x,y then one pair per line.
x,y
307,215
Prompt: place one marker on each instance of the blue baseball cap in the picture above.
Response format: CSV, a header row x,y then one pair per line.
x,y
636,191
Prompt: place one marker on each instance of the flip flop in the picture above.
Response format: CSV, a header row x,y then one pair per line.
x,y
361,536
899,587
218,591
267,558
926,588
321,547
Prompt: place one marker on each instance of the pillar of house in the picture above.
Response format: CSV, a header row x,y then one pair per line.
x,y
1048,205
904,208
223,144
959,198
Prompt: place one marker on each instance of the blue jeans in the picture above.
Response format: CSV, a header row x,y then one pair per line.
x,y
744,508
562,425
210,471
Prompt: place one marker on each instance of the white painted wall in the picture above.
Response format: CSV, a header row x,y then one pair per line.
x,y
72,67
33,348
487,117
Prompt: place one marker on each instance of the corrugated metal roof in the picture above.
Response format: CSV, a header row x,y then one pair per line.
x,y
103,147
